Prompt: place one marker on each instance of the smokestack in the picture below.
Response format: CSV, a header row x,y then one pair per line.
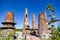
x,y
9,17
26,23
9,20
40,23
44,13
8,25
26,17
33,22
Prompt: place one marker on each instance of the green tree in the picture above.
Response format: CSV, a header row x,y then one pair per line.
x,y
58,26
54,31
49,7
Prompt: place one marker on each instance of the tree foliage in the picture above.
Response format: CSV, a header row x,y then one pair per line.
x,y
50,8
55,32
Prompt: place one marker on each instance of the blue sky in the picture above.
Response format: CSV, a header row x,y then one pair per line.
x,y
34,6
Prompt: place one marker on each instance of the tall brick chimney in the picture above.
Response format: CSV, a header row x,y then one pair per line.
x,y
8,26
26,23
43,25
9,20
40,23
33,22
9,17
